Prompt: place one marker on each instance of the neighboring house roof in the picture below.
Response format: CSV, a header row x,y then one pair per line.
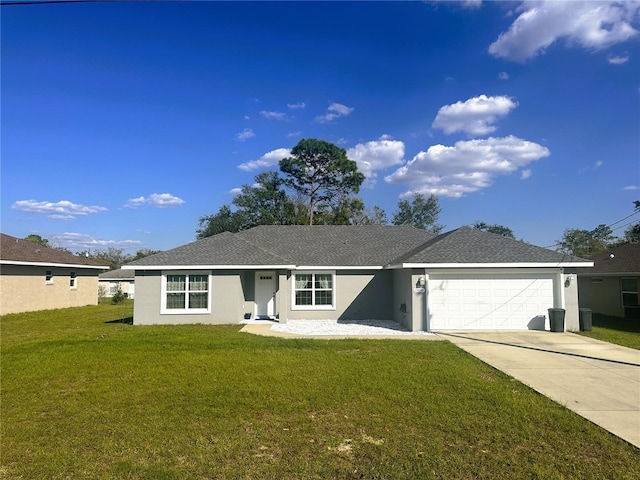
x,y
471,246
363,246
117,275
16,251
622,260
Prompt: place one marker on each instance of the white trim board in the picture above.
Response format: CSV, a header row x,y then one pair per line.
x,y
493,265
47,264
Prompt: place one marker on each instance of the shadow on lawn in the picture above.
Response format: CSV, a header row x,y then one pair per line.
x,y
127,320
616,323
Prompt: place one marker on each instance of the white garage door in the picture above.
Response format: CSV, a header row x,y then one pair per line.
x,y
474,302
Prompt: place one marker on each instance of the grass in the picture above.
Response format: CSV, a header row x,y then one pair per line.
x,y
87,395
621,331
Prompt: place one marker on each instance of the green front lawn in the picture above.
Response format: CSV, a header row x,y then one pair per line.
x,y
621,331
86,395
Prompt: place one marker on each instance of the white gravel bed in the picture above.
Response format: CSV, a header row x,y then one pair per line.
x,y
344,327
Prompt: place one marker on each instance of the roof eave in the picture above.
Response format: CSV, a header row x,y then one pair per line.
x,y
338,267
52,264
208,267
493,265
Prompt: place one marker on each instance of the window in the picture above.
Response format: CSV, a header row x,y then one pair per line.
x,y
597,280
629,288
72,280
48,276
186,293
314,291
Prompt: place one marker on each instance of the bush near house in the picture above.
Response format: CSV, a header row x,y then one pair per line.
x,y
87,395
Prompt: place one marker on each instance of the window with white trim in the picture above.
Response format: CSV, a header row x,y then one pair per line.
x,y
629,288
314,291
186,293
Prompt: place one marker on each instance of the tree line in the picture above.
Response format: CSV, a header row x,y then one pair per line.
x,y
113,257
586,243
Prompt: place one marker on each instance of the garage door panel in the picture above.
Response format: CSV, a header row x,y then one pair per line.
x,y
481,302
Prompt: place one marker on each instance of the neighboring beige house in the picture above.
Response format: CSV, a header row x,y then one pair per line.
x,y
109,282
612,286
465,279
33,277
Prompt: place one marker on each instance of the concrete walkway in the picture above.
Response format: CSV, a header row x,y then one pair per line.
x,y
264,329
595,379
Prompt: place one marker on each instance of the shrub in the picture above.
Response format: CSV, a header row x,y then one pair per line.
x,y
119,296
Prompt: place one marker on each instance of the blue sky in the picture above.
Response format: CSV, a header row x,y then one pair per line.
x,y
123,123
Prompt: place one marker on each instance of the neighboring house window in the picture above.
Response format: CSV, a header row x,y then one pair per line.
x,y
48,276
629,287
113,288
186,293
73,280
314,290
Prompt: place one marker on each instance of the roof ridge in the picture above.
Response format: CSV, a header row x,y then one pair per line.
x,y
284,260
423,246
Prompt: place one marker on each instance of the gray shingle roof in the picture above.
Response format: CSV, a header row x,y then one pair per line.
x,y
224,249
350,246
625,260
14,249
470,245
337,245
117,274
318,245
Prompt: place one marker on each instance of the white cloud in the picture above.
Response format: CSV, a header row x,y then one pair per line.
x,y
466,167
79,241
525,174
62,210
591,168
296,106
376,155
159,200
335,110
474,116
245,134
631,187
503,76
294,134
273,115
235,191
593,25
269,159
615,60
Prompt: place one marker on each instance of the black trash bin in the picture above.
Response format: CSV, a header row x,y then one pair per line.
x,y
556,319
585,319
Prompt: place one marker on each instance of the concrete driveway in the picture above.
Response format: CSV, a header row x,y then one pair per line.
x,y
595,379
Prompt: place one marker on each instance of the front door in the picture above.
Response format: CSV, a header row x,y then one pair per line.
x,y
265,294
